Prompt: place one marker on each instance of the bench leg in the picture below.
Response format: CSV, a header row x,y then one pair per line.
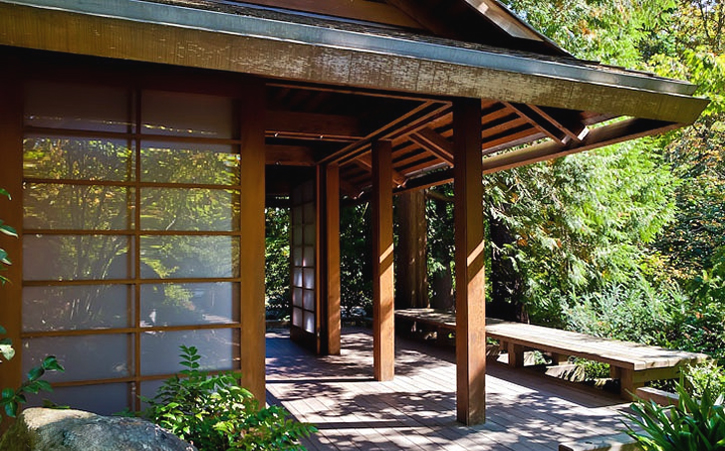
x,y
516,355
559,359
628,385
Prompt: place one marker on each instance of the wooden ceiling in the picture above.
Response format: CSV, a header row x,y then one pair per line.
x,y
310,125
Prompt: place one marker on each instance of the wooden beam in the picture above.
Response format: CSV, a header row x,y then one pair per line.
x,y
235,51
252,226
289,155
597,137
434,143
421,114
568,121
330,262
539,122
365,161
11,179
312,125
383,301
469,259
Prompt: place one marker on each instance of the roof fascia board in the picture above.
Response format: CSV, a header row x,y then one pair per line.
x,y
151,32
272,29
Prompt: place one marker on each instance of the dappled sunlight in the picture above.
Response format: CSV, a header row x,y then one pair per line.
x,y
418,408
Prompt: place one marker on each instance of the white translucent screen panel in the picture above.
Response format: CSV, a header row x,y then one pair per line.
x,y
57,308
309,278
77,106
297,297
77,257
207,164
308,299
182,114
310,322
50,157
297,254
164,257
160,351
309,256
189,209
84,357
297,317
77,207
102,399
189,304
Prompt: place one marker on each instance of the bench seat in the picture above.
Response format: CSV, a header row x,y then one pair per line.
x,y
634,364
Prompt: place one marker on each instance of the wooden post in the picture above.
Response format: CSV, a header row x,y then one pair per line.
x,y
412,284
252,224
383,315
329,265
11,212
469,258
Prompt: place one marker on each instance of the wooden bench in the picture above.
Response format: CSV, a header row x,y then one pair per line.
x,y
633,364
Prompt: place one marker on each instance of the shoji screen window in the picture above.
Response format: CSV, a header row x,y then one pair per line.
x,y
131,237
304,233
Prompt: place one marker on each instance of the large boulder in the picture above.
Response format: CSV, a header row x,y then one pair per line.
x,y
39,429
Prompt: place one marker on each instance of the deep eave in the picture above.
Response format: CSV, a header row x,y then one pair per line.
x,y
151,32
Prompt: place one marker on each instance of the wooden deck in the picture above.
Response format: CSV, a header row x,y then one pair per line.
x,y
416,411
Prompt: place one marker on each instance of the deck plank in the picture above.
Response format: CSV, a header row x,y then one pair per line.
x,y
416,410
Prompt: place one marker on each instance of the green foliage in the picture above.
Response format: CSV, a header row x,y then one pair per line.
x,y
13,399
580,223
277,263
356,261
6,230
705,376
215,414
692,425
632,312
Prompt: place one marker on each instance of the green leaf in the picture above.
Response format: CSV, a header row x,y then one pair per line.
x,y
7,230
35,373
11,409
6,349
50,363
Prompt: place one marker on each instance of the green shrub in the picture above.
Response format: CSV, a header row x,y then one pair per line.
x,y
12,398
705,375
695,424
215,414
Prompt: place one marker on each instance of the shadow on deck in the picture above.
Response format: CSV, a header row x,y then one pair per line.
x,y
416,411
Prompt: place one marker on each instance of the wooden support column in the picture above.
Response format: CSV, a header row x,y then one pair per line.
x,y
11,212
252,224
383,315
329,265
469,259
412,283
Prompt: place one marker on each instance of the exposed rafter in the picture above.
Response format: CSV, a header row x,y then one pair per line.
x,y
434,143
598,137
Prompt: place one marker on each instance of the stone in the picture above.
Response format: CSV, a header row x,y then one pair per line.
x,y
40,429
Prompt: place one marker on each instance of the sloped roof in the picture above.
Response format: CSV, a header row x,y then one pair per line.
x,y
401,78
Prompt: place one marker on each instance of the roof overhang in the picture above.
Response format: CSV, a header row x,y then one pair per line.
x,y
152,32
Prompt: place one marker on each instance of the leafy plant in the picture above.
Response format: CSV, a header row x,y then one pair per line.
x,y
7,230
214,413
12,398
694,424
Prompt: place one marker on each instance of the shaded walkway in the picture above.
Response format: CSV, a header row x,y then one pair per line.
x,y
416,411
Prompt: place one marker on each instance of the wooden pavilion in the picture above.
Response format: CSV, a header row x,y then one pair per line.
x,y
142,139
